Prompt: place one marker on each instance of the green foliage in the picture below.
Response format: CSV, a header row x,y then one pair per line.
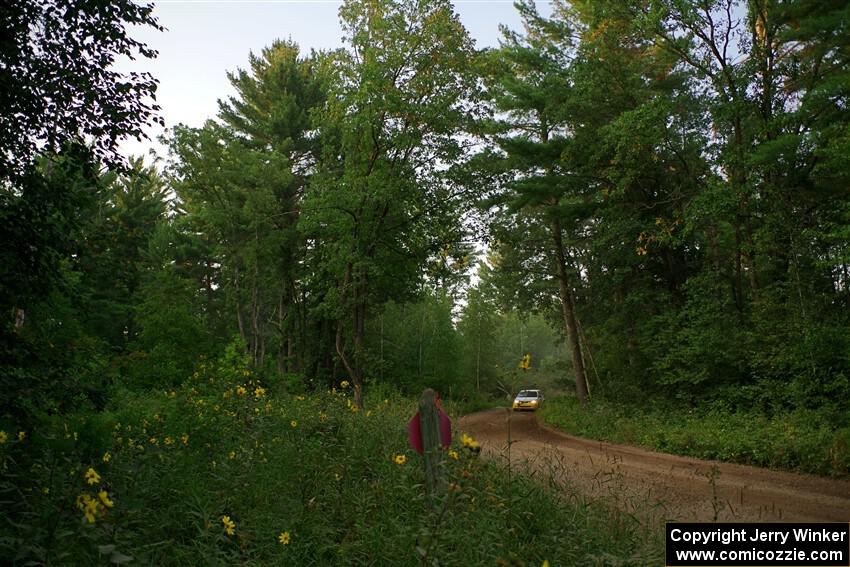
x,y
678,213
89,99
414,346
799,440
179,465
172,333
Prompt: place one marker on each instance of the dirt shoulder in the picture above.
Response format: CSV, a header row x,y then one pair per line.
x,y
666,486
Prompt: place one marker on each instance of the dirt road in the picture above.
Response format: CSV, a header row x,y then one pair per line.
x,y
656,484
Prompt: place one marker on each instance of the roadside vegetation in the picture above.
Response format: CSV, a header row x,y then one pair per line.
x,y
802,440
226,469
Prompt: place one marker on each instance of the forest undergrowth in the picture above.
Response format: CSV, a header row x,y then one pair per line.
x,y
228,469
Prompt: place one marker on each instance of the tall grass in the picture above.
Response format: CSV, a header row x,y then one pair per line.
x,y
226,470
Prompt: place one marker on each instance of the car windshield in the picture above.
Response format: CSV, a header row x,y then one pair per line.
x,y
527,394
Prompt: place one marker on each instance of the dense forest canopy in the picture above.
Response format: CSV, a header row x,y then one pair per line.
x,y
648,197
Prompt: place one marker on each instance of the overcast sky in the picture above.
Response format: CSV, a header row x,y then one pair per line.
x,y
206,38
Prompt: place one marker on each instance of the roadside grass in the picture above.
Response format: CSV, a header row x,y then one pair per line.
x,y
227,470
803,441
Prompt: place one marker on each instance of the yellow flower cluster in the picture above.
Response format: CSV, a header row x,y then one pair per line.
x,y
229,525
469,442
283,538
5,436
400,459
89,505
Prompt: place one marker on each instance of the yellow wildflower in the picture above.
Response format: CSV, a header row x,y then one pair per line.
x,y
90,510
300,398
185,438
545,563
344,384
104,497
22,435
283,538
106,457
400,459
229,525
241,391
469,441
3,437
293,423
259,392
154,441
92,477
231,455
169,441
88,505
453,454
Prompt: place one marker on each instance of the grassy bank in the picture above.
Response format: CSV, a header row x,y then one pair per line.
x,y
804,441
227,471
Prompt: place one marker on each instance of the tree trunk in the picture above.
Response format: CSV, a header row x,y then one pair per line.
x,y
283,339
359,339
255,321
239,320
568,308
478,355
20,317
353,368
